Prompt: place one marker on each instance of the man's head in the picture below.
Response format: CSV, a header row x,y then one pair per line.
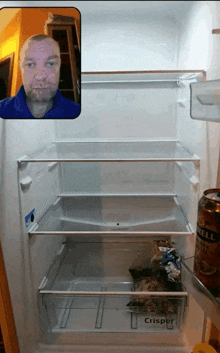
x,y
40,67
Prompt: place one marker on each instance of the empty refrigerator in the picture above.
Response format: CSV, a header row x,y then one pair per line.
x,y
84,200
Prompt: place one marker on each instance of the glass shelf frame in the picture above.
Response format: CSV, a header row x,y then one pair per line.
x,y
65,216
112,151
141,76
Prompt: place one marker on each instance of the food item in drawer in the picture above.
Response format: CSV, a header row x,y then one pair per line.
x,y
171,263
139,273
164,277
152,283
161,246
167,257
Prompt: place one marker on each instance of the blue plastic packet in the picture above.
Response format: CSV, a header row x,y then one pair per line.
x,y
171,261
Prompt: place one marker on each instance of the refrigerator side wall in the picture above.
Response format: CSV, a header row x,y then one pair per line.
x,y
199,49
17,139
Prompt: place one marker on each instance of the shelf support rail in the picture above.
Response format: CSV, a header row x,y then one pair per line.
x,y
100,311
66,312
133,316
126,293
193,180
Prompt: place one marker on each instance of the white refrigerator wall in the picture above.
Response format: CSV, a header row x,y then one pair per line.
x,y
200,49
19,137
121,40
124,111
110,41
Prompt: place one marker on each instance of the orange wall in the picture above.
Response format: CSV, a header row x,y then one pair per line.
x,y
33,21
21,24
10,20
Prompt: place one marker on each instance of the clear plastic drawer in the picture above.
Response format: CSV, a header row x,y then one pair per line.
x,y
89,288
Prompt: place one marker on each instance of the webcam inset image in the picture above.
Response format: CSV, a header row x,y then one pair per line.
x,y
40,63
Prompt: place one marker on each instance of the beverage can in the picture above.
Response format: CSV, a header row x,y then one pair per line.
x,y
207,247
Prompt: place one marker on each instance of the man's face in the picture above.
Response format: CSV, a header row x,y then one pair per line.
x,y
40,69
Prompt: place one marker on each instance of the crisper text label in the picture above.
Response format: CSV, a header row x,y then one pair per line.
x,y
208,235
158,321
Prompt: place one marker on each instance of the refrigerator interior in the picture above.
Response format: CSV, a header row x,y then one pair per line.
x,y
175,35
94,203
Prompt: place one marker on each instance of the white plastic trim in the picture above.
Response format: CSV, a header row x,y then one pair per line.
x,y
25,183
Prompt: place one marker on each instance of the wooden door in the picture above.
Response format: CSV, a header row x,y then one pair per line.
x,y
212,335
8,329
70,74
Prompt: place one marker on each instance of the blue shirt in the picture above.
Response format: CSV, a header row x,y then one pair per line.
x,y
16,107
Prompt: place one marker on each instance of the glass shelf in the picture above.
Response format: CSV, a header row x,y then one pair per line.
x,y
112,151
141,76
113,215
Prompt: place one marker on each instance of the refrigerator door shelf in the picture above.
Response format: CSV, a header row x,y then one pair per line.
x,y
201,294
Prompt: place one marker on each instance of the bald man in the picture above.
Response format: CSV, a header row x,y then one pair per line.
x,y
39,96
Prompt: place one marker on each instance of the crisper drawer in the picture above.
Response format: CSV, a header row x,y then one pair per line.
x,y
109,312
90,289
